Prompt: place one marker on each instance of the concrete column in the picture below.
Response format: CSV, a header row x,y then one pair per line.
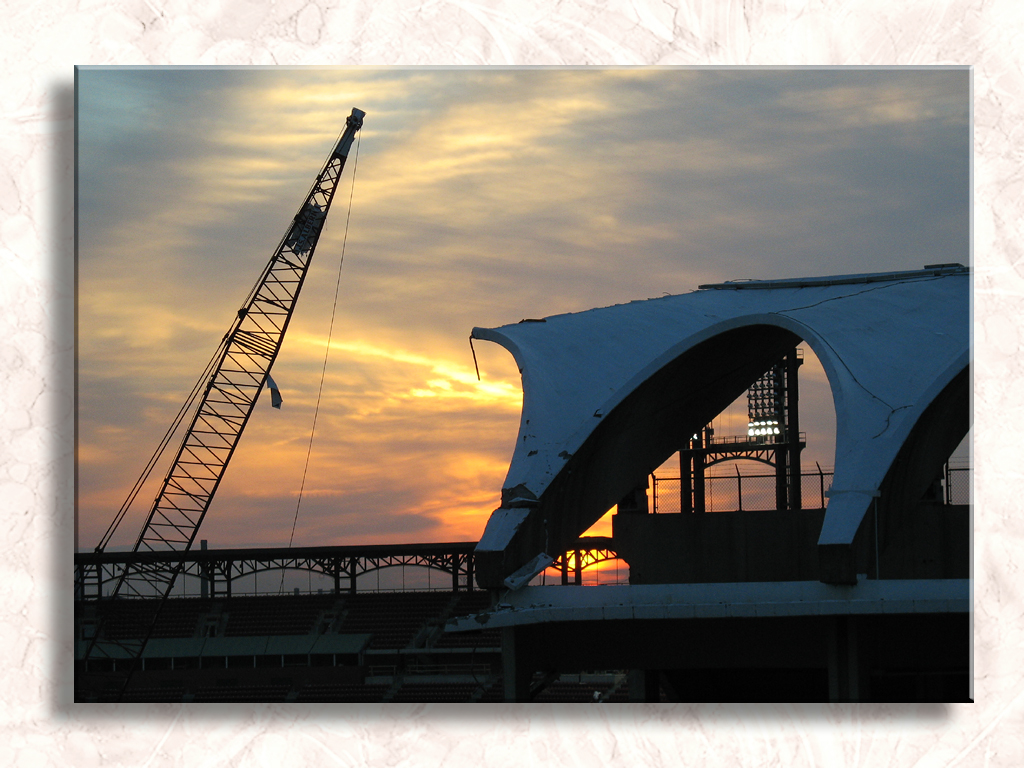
x,y
845,673
515,667
685,479
644,685
781,477
793,428
699,503
204,574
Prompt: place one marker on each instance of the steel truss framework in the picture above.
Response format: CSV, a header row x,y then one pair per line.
x,y
218,569
731,448
590,551
773,398
95,571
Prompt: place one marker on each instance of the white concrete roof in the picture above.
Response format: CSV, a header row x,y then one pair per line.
x,y
888,343
538,605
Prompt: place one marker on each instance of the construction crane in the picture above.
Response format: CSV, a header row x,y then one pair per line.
x,y
238,372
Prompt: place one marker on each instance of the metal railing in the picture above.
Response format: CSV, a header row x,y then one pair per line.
x,y
742,491
759,440
756,491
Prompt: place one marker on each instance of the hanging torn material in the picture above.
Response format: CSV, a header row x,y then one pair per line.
x,y
477,367
275,393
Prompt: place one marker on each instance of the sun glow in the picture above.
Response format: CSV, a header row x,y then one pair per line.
x,y
448,380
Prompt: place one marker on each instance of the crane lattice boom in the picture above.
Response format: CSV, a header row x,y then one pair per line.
x,y
243,362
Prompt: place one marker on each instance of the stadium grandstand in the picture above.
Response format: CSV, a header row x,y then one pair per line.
x,y
216,641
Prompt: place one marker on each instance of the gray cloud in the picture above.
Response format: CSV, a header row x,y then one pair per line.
x,y
481,197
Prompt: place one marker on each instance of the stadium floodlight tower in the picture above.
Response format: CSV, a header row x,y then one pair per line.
x,y
773,437
773,416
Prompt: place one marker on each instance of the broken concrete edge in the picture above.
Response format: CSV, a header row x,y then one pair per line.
x,y
523,576
501,528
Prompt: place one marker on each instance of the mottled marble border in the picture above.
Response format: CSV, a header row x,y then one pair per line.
x,y
42,42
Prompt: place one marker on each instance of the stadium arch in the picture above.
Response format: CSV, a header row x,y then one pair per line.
x,y
611,393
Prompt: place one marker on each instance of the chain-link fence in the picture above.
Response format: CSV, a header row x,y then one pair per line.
x,y
756,491
958,485
741,491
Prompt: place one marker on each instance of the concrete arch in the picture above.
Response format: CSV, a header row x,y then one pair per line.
x,y
610,393
941,426
673,397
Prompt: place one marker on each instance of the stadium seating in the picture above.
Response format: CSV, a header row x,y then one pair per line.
x,y
410,658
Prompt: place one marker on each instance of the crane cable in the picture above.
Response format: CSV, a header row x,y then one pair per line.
x,y
161,447
327,352
197,388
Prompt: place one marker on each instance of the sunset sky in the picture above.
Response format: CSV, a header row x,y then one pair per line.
x,y
481,197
